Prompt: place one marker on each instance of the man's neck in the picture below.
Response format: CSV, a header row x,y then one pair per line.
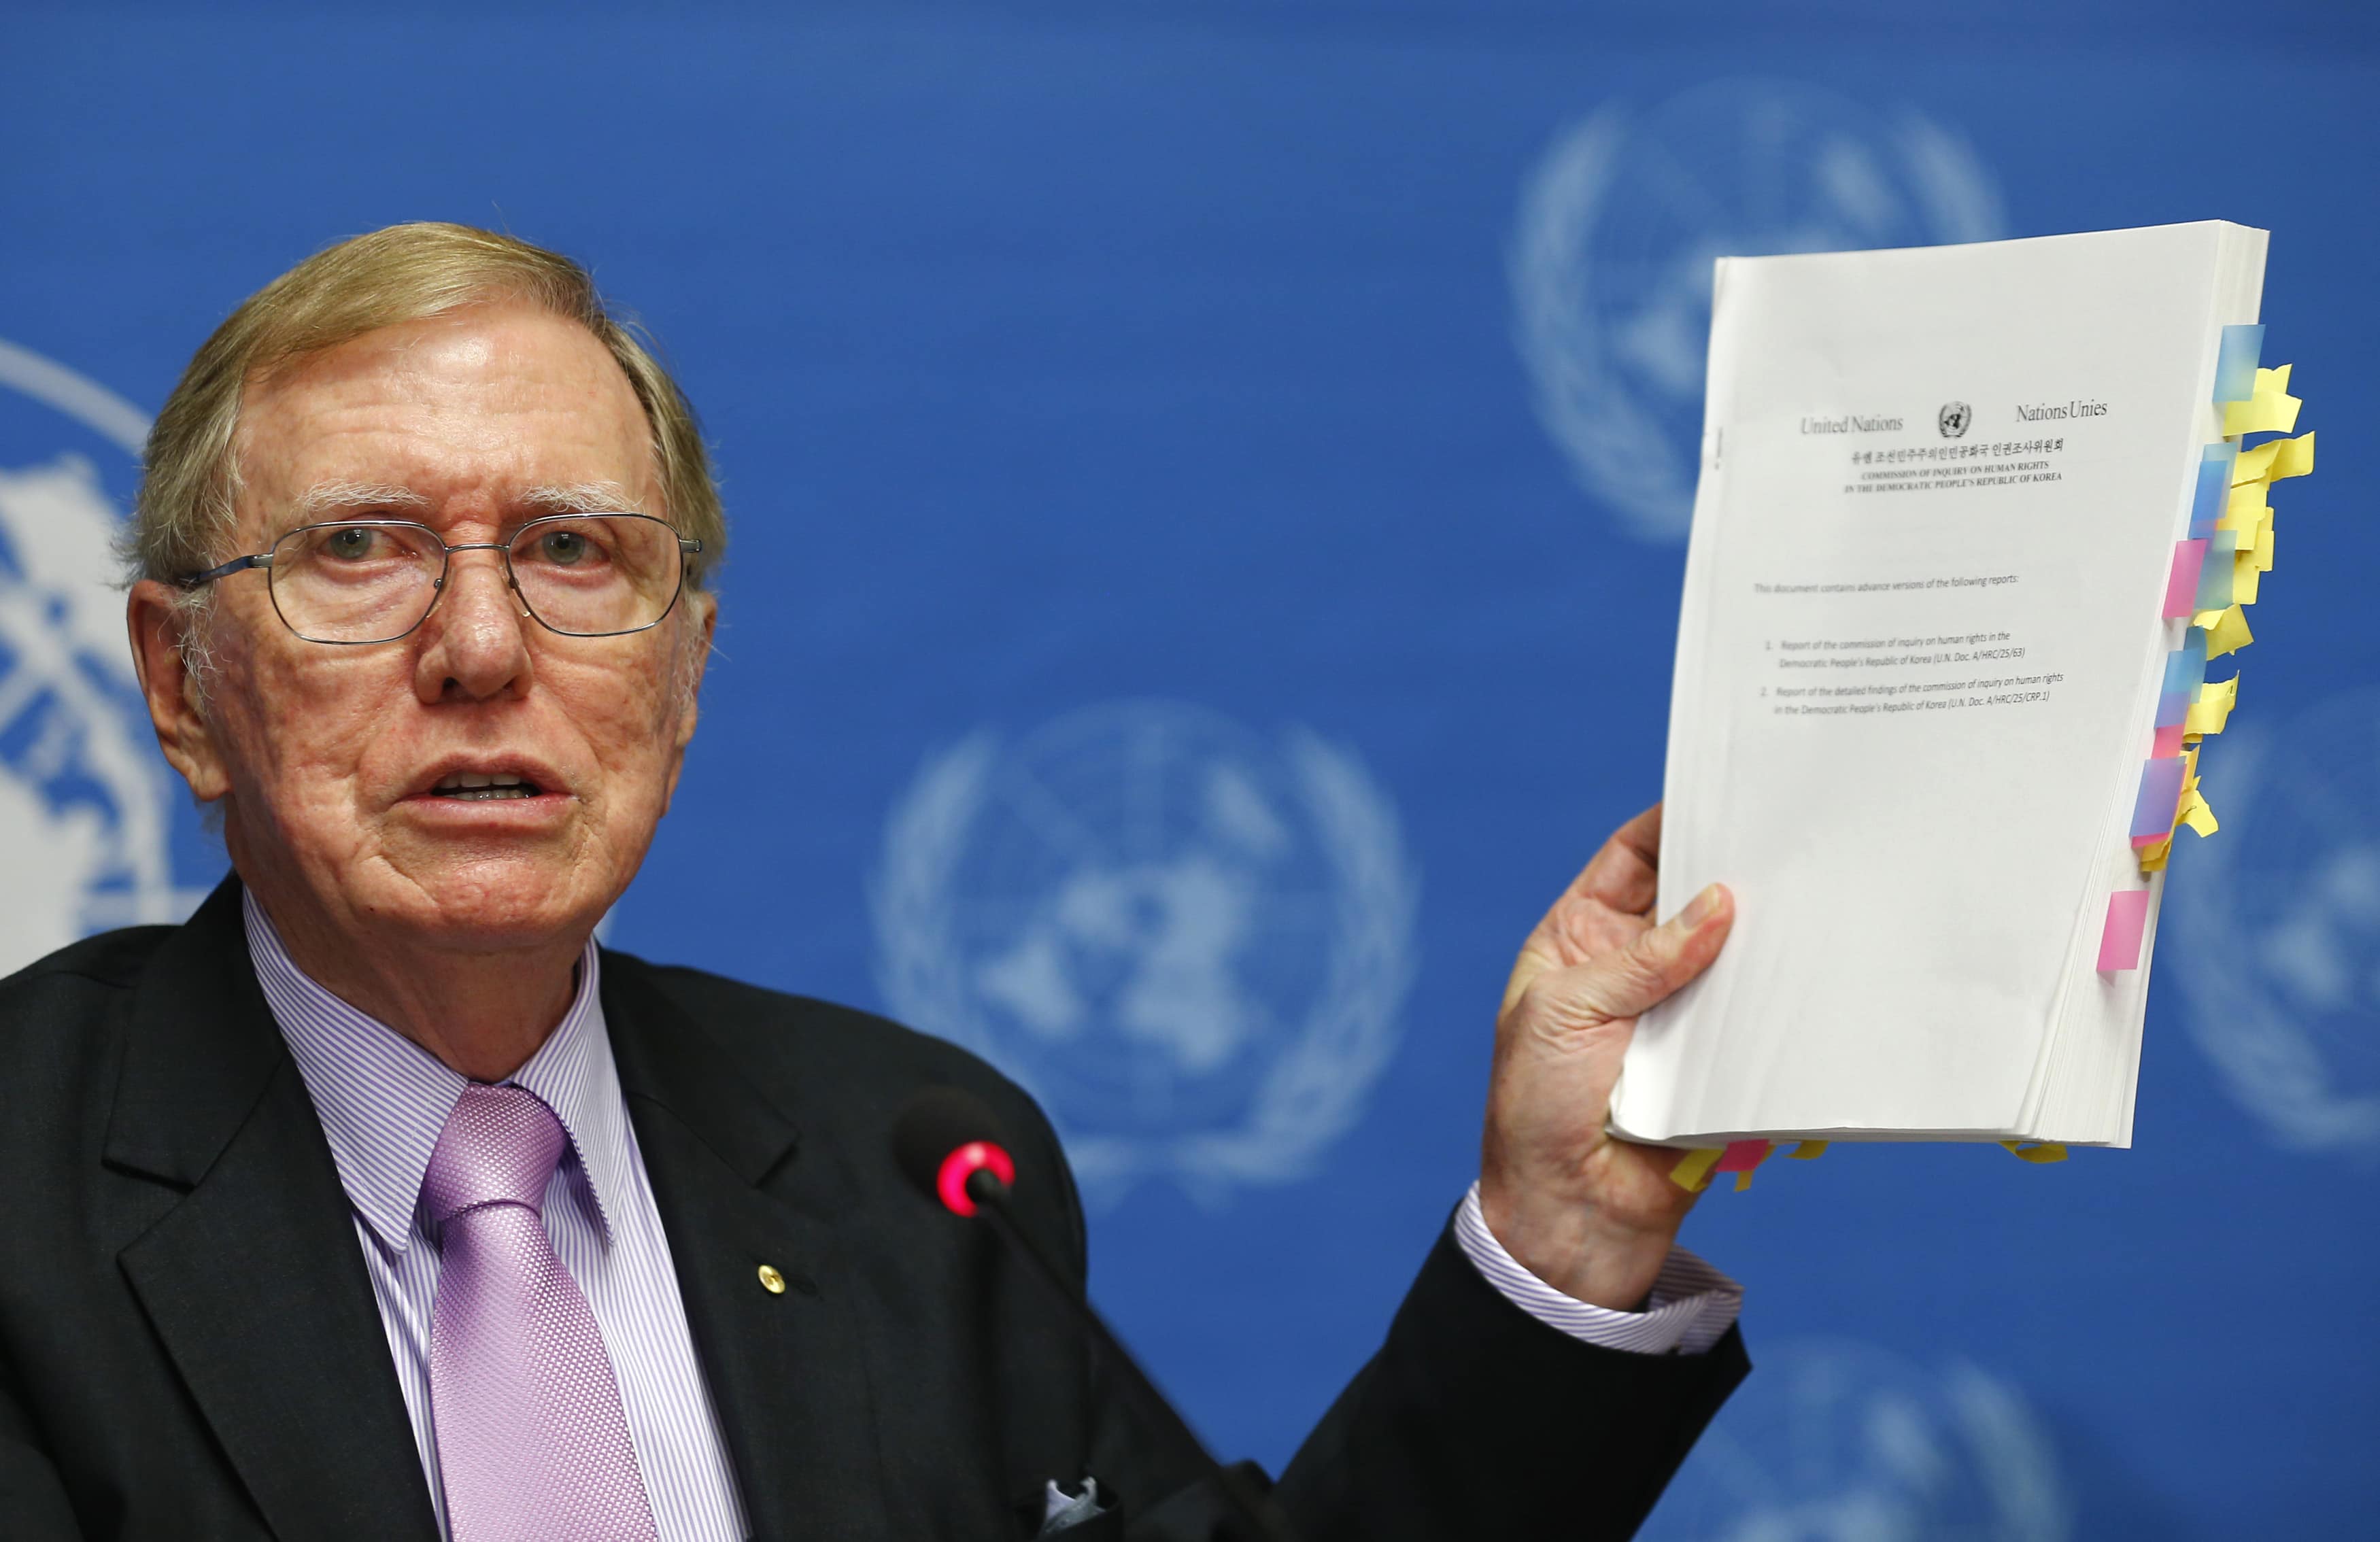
x,y
482,1013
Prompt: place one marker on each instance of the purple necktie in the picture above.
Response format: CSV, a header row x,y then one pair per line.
x,y
532,1444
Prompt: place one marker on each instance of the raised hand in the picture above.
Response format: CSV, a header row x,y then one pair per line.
x,y
1591,1215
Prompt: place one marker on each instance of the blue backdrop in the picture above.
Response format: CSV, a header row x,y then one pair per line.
x,y
1208,485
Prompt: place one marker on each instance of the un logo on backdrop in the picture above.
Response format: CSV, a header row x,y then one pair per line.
x,y
2273,929
86,808
1189,942
1621,218
1843,1442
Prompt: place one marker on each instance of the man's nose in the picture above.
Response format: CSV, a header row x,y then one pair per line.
x,y
477,647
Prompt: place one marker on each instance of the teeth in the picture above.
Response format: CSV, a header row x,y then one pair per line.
x,y
485,784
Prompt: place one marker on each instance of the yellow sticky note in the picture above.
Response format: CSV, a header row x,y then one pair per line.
x,y
2266,412
2265,549
2153,858
1693,1170
2255,465
1743,1182
2213,708
2245,512
2196,814
2044,1151
2226,631
2273,380
2244,526
1809,1150
2244,577
2291,457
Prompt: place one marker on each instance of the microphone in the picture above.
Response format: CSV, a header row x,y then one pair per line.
x,y
949,1145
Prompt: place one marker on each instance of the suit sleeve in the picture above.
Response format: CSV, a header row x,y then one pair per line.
x,y
1478,1423
1476,1420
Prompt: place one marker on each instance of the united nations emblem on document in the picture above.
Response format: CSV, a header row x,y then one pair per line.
x,y
1190,941
87,807
2274,929
1621,218
1839,1441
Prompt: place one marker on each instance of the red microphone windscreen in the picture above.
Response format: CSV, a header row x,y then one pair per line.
x,y
942,1136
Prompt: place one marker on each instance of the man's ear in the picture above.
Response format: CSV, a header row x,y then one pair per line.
x,y
703,618
160,633
691,684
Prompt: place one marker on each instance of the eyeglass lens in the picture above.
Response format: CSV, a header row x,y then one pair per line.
x,y
583,574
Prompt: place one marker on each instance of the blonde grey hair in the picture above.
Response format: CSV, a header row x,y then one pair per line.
x,y
185,511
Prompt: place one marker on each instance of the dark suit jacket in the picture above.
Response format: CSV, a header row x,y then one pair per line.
x,y
188,1345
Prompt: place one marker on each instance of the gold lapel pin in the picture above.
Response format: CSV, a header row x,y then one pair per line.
x,y
771,1280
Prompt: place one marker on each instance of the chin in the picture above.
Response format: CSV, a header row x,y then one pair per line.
x,y
506,909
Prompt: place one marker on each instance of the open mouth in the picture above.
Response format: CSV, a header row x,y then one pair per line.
x,y
479,787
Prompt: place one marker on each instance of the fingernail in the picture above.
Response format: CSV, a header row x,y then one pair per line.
x,y
1701,909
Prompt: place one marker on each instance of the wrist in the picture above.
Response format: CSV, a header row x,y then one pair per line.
x,y
1578,1249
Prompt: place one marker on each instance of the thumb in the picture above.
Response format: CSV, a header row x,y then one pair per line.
x,y
1658,963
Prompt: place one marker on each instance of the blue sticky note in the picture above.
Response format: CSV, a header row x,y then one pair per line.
x,y
2172,708
2213,494
2161,795
2235,362
2214,577
2185,667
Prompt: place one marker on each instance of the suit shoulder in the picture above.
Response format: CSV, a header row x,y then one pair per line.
x,y
806,1035
60,1023
90,971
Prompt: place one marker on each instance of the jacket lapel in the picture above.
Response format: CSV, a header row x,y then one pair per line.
x,y
786,1369
253,1282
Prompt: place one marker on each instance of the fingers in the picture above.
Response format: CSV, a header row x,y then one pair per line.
x,y
1659,964
1625,875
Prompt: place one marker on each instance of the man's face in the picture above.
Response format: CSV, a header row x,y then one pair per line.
x,y
334,757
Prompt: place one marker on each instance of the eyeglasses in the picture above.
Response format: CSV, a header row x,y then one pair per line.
x,y
375,580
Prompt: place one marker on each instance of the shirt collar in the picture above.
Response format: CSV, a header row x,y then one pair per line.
x,y
383,1100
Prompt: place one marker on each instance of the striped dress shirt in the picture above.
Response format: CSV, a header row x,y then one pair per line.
x,y
1690,1307
382,1101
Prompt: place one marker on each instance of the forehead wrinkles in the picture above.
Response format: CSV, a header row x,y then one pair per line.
x,y
480,408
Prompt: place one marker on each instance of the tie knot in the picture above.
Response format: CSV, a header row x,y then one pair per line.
x,y
499,1146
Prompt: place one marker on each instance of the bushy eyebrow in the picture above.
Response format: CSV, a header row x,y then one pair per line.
x,y
581,498
329,500
326,502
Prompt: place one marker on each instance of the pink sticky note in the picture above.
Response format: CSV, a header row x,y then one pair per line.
x,y
2169,742
2181,585
2119,944
1742,1156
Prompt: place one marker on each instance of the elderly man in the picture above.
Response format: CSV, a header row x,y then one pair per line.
x,y
377,1201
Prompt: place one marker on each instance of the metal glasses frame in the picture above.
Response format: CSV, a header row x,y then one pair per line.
x,y
686,545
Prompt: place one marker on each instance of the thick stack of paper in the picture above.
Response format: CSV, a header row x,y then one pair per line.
x,y
1923,657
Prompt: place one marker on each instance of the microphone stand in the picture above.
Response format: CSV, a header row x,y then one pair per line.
x,y
990,1197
